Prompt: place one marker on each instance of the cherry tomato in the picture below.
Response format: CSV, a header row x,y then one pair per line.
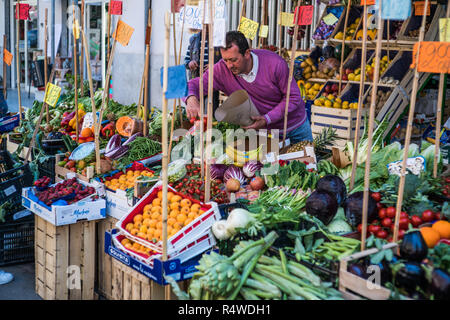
x,y
403,223
382,213
382,234
374,229
379,205
390,212
376,196
401,234
390,239
427,216
403,214
386,222
416,221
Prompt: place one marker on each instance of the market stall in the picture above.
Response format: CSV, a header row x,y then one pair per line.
x,y
145,215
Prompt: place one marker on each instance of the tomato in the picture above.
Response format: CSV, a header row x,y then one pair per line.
x,y
376,196
386,222
390,212
379,205
403,223
390,239
445,192
416,221
382,234
401,234
447,179
382,213
427,216
403,214
374,228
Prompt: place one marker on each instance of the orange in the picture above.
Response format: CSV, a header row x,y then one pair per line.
x,y
187,221
146,222
171,221
185,210
174,213
172,233
176,198
142,235
191,215
159,225
136,246
158,233
152,223
128,245
169,195
156,202
148,207
169,229
134,231
174,205
138,225
201,211
181,218
138,218
443,228
185,203
145,215
86,133
150,232
143,229
160,195
124,241
155,215
129,226
195,207
156,209
430,236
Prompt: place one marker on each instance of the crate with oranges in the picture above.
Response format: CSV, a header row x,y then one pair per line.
x,y
187,219
125,181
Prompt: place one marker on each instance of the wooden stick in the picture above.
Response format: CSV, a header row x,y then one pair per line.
x,y
412,107
202,96
343,47
291,73
279,28
108,34
94,111
360,98
81,51
370,131
18,58
263,13
75,75
209,112
4,68
46,51
175,108
439,109
164,145
147,60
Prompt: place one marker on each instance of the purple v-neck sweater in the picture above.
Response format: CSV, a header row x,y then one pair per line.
x,y
268,91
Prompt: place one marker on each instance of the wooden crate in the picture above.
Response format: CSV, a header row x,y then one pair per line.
x,y
104,261
342,120
12,146
337,26
355,12
57,249
357,288
128,284
61,172
414,22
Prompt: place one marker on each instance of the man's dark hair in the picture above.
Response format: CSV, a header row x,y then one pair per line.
x,y
237,38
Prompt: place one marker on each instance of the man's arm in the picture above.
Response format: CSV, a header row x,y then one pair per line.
x,y
281,77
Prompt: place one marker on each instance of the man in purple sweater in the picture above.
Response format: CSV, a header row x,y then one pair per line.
x,y
264,75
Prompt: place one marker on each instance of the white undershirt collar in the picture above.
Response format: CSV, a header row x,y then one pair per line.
x,y
251,76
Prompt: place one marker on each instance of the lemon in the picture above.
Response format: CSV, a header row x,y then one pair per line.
x,y
330,97
357,77
351,77
328,104
337,105
308,85
339,100
385,58
317,102
317,86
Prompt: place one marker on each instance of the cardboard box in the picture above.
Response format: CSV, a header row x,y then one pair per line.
x,y
118,204
64,215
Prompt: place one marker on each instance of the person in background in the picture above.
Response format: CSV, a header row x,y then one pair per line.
x,y
192,60
264,75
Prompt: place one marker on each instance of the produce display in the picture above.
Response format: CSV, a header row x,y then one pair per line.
x,y
66,192
127,180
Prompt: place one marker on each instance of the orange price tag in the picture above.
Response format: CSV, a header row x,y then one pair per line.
x,y
7,57
368,2
419,8
123,33
433,57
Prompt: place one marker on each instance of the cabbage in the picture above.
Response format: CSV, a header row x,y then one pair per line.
x,y
251,167
428,154
354,206
413,150
218,170
322,205
335,185
339,226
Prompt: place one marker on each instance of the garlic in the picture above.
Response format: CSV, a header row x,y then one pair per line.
x,y
219,229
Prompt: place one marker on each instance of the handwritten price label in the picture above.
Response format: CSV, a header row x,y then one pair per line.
x,y
123,33
330,19
444,29
52,93
7,57
24,11
264,31
248,27
116,8
419,8
286,19
304,15
433,57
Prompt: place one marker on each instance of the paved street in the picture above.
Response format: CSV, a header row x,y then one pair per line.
x,y
22,287
13,99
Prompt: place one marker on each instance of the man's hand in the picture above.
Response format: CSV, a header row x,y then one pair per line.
x,y
193,65
260,123
192,107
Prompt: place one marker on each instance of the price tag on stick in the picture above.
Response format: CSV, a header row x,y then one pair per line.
x,y
330,19
52,93
116,8
286,19
7,57
368,2
419,8
248,27
123,33
24,11
433,57
304,15
444,35
396,9
264,31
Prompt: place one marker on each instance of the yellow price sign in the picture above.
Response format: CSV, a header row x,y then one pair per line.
x,y
286,19
248,27
264,31
52,93
444,34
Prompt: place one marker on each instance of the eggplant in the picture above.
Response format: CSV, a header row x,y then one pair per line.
x,y
117,153
353,209
440,284
408,276
113,143
413,247
131,139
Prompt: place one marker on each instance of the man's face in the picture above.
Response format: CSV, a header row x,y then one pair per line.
x,y
236,62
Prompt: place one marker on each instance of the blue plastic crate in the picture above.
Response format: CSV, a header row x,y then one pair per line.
x,y
8,123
